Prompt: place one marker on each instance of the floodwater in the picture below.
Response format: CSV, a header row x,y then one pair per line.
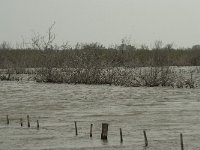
x,y
163,112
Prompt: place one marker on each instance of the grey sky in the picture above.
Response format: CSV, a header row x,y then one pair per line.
x,y
104,21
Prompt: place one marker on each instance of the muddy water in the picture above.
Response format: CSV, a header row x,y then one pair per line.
x,y
163,112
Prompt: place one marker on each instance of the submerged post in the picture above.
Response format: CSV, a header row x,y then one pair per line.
x,y
28,121
7,120
21,122
38,126
181,138
76,128
104,132
121,138
145,138
91,130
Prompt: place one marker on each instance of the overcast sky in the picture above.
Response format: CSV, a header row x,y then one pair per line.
x,y
104,21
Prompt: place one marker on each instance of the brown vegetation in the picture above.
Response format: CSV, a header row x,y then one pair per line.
x,y
95,64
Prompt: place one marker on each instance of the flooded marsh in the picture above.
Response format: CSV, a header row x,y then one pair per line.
x,y
163,112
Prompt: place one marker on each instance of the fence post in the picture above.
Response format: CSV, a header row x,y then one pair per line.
x,y
91,130
76,128
121,138
145,138
104,132
28,121
21,122
7,120
181,138
38,126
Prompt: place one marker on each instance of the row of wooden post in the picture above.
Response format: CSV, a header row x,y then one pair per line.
x,y
104,134
21,122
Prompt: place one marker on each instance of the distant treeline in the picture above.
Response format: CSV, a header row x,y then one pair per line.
x,y
42,51
94,55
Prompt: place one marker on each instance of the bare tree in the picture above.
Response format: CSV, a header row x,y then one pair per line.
x,y
48,44
144,47
169,46
126,44
36,41
65,46
158,44
42,42
5,45
196,47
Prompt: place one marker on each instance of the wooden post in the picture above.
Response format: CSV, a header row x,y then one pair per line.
x,y
76,128
181,138
28,121
21,122
121,138
145,138
91,130
38,126
104,132
7,120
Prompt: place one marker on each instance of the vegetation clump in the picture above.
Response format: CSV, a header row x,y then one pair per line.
x,y
93,63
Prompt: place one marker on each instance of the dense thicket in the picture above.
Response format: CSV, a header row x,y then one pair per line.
x,y
101,57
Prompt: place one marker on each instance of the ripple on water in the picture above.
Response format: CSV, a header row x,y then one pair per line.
x,y
163,112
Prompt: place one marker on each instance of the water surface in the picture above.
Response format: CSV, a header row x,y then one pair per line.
x,y
163,112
